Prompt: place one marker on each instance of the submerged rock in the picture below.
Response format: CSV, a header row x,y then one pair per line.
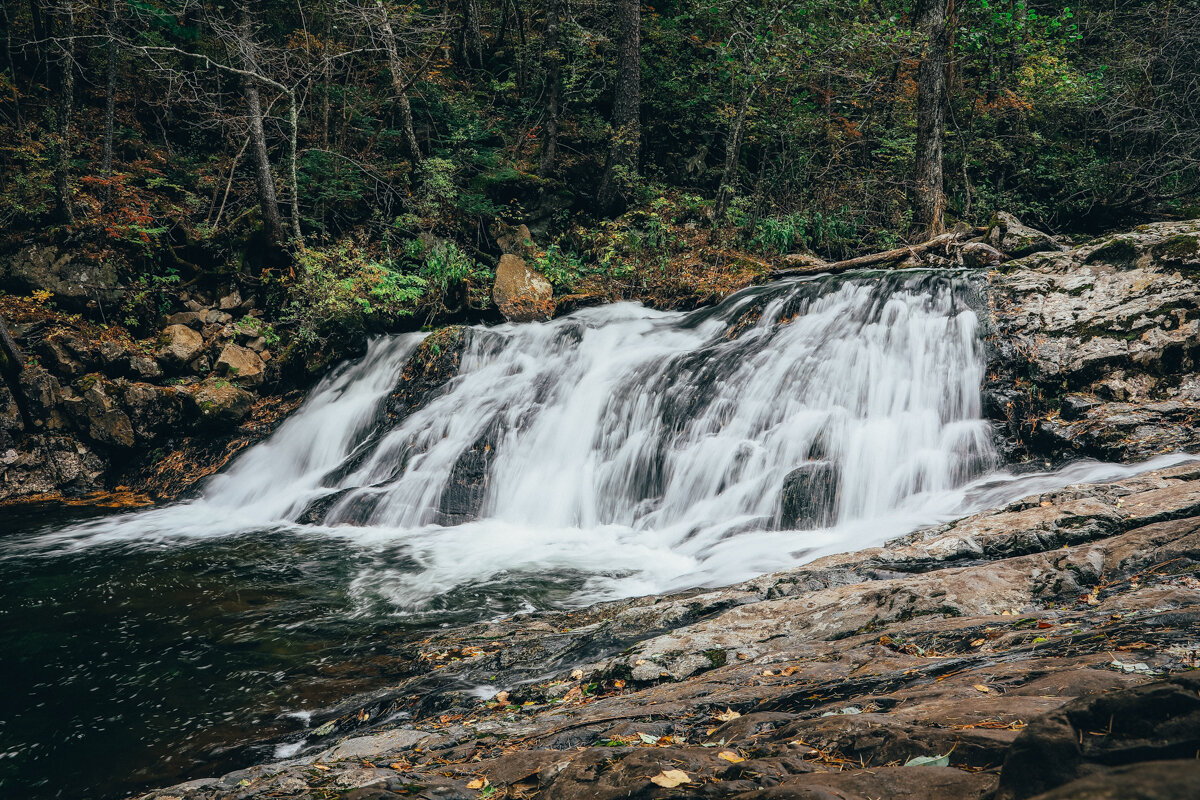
x,y
810,496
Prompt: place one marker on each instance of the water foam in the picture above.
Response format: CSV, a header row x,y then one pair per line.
x,y
638,451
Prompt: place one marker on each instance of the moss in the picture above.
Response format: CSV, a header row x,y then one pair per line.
x,y
717,657
1178,248
1117,252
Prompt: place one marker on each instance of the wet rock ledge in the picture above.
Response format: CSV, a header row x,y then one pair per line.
x,y
1047,649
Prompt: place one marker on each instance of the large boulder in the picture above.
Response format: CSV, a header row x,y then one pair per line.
x,y
1009,235
74,279
521,293
219,403
241,363
179,344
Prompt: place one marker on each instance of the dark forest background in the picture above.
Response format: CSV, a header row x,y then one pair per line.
x,y
364,157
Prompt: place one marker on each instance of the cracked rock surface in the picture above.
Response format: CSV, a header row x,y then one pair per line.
x,y
1043,650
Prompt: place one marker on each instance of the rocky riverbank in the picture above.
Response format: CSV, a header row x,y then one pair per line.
x,y
103,414
1096,350
1041,650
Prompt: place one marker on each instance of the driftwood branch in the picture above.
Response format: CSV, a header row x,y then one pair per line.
x,y
810,266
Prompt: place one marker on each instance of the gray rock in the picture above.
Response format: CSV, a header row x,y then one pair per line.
x,y
1016,239
1106,332
231,301
74,279
192,319
240,363
219,403
810,496
145,367
367,747
979,255
179,344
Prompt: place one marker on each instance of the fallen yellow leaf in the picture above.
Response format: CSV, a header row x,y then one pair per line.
x,y
478,783
982,688
730,756
727,715
502,698
670,778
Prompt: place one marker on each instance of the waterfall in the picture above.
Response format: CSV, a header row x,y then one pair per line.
x,y
636,450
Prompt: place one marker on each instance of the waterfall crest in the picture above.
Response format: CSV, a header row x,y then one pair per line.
x,y
625,450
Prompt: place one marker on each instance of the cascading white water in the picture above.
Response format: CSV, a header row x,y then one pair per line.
x,y
640,450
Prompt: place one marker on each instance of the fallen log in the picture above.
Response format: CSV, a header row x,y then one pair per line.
x,y
813,267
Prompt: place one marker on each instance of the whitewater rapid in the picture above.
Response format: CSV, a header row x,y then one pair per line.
x,y
637,451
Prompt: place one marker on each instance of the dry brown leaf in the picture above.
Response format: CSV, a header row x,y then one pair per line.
x,y
670,778
577,675
502,698
730,756
727,715
478,783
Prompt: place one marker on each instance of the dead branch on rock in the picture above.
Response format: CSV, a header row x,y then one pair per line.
x,y
811,267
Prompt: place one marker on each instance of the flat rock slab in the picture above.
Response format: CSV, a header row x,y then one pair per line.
x,y
1040,650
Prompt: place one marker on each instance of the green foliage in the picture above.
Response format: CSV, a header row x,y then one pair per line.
x,y
338,292
147,298
817,232
564,270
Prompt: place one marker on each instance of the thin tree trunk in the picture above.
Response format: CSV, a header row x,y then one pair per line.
x,y
626,122
293,180
733,155
396,67
929,195
258,141
553,61
66,92
470,36
262,164
110,96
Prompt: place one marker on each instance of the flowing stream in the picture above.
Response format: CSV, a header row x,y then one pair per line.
x,y
615,452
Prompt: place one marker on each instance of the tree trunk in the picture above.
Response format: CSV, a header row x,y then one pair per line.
x,y
110,95
293,180
66,92
552,56
258,141
929,195
12,364
733,156
470,37
396,67
626,124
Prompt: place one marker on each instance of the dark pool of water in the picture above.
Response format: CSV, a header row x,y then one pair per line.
x,y
130,665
